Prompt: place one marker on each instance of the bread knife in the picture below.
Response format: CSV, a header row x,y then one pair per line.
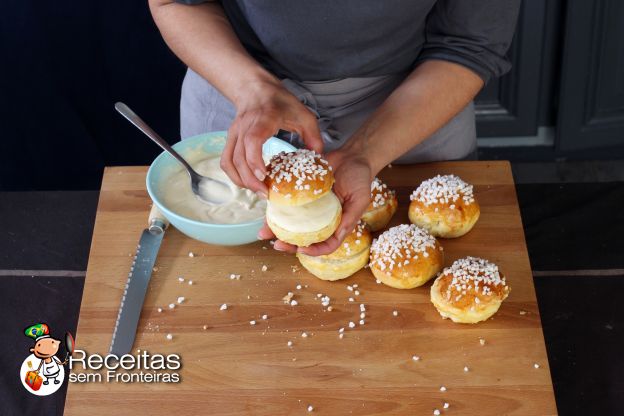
x,y
136,286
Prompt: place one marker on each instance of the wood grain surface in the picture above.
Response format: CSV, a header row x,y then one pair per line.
x,y
232,367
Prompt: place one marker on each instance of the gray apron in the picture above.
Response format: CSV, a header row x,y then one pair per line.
x,y
341,107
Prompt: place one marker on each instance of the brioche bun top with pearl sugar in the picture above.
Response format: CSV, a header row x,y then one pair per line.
x,y
380,194
445,206
405,249
470,282
442,190
299,177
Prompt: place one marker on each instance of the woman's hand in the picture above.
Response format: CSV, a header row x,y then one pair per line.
x,y
262,109
353,176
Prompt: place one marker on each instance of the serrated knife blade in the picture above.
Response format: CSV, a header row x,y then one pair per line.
x,y
131,303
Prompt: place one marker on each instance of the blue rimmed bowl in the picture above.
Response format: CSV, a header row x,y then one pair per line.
x,y
222,234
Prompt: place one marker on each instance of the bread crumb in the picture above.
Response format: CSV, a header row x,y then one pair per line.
x,y
288,297
223,307
169,337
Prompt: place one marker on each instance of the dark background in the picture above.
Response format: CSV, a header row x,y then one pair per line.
x,y
64,64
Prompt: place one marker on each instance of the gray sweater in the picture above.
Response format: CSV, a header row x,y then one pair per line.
x,y
320,40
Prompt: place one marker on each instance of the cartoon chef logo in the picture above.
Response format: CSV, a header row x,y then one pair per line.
x,y
42,372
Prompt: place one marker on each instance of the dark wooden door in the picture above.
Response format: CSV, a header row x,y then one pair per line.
x,y
591,99
509,106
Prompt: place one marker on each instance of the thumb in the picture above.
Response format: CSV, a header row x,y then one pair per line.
x,y
352,210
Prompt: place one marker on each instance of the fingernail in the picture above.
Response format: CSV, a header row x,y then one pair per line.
x,y
262,194
277,248
259,174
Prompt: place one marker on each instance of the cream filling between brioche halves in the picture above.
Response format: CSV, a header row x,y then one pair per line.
x,y
305,218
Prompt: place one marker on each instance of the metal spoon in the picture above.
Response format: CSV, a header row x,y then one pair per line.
x,y
208,190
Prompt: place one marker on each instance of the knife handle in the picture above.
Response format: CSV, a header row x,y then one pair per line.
x,y
156,220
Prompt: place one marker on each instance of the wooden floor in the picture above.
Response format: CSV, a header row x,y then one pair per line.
x,y
232,367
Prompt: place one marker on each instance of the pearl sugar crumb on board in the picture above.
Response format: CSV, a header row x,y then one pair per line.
x,y
169,337
223,307
191,254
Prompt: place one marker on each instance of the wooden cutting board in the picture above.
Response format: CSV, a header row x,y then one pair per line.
x,y
232,367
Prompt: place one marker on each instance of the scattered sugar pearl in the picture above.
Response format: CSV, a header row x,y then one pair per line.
x,y
341,336
298,287
442,388
190,282
159,310
235,276
436,412
181,299
415,358
355,285
362,307
223,307
304,335
356,293
446,405
362,315
191,254
351,324
289,343
180,279
350,288
169,337
329,308
171,305
310,408
395,313
265,317
341,330
252,322
482,341
293,303
264,267
351,300
466,369
536,365
523,312
378,281
205,327
361,321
